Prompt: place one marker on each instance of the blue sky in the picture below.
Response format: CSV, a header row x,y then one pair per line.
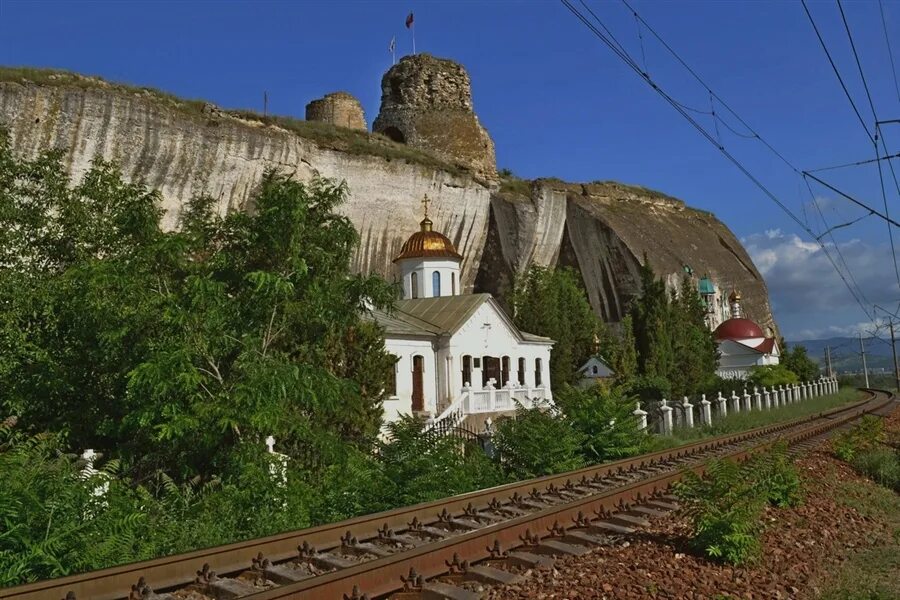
x,y
556,101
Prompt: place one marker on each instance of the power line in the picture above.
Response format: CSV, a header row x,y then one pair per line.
x,y
836,72
619,51
887,40
862,76
855,164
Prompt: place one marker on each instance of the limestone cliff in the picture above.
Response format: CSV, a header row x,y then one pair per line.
x,y
187,148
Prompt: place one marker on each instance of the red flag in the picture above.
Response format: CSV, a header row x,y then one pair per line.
x,y
409,20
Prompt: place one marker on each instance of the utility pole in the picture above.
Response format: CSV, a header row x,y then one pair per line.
x,y
862,350
828,370
894,350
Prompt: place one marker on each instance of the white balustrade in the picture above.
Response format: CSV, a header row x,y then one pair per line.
x,y
705,410
641,417
666,422
688,412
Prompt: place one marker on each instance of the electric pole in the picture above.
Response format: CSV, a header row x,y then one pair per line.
x,y
828,370
894,351
862,350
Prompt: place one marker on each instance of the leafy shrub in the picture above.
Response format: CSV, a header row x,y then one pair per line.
x,y
776,474
603,415
538,442
726,504
422,466
770,375
862,437
724,507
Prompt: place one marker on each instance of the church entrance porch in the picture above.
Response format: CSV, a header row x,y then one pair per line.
x,y
491,370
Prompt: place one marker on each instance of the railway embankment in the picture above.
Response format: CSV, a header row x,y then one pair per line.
x,y
841,542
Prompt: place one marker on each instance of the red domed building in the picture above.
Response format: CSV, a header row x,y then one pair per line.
x,y
742,344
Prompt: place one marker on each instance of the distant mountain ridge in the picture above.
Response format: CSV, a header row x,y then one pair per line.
x,y
845,354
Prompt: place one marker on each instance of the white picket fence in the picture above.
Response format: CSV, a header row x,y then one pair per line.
x,y
704,411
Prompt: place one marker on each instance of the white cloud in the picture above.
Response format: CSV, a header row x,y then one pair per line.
x,y
808,296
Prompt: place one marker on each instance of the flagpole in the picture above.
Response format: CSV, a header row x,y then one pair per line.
x,y
414,36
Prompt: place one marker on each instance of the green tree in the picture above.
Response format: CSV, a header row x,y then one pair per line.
x,y
696,356
621,351
676,353
798,361
552,303
770,375
170,349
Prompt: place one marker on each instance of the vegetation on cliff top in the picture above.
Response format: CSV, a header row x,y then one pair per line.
x,y
325,135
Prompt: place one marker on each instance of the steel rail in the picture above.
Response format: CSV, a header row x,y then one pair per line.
x,y
179,570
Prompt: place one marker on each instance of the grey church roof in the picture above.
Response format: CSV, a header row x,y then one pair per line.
x,y
438,316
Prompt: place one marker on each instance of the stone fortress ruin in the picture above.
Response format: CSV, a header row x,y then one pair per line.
x,y
426,103
338,108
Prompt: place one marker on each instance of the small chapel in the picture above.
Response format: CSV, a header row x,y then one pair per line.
x,y
742,343
459,356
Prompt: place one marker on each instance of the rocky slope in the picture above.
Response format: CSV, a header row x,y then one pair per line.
x,y
187,148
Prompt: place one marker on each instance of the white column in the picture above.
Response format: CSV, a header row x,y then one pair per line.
x,y
790,393
688,412
666,423
801,391
767,398
837,385
723,405
757,398
641,417
735,402
705,410
747,406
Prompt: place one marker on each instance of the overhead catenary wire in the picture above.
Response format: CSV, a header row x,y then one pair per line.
x,y
865,83
858,163
753,133
619,51
887,40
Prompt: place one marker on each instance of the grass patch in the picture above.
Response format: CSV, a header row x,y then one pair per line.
x,y
874,573
743,421
326,135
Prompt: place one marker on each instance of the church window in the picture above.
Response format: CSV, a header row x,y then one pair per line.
x,y
521,371
504,370
453,283
390,386
436,284
594,369
414,284
537,372
467,370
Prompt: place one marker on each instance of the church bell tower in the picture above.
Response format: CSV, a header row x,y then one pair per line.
x,y
429,263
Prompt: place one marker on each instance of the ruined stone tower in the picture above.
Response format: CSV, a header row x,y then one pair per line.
x,y
426,102
338,108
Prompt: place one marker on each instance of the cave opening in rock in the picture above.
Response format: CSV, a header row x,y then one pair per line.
x,y
395,134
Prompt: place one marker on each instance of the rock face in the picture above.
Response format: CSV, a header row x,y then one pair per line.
x,y
183,149
338,108
603,231
426,102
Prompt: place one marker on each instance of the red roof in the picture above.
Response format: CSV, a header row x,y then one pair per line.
x,y
738,329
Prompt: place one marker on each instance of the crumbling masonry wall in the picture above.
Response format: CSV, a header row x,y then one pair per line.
x,y
338,108
426,102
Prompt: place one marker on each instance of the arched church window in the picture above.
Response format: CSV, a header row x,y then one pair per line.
x,y
467,369
414,284
453,283
436,284
522,371
537,372
504,370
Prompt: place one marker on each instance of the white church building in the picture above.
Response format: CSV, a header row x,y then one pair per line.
x,y
742,344
457,354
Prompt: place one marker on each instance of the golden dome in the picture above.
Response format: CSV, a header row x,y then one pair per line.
x,y
735,296
426,243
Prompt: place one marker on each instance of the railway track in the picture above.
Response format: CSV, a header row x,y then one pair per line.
x,y
441,549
